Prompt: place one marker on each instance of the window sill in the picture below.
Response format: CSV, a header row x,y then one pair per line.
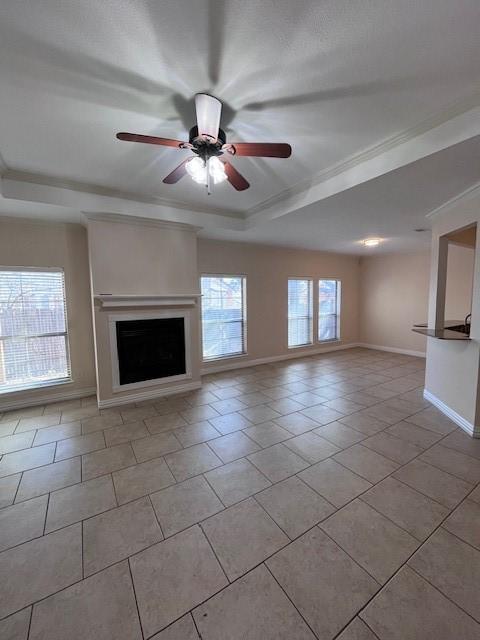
x,y
228,357
38,385
302,346
330,341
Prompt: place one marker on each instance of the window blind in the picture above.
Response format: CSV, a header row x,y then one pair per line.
x,y
33,328
328,310
223,316
300,316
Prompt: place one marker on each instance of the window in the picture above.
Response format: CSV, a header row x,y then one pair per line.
x,y
33,328
223,316
328,310
300,312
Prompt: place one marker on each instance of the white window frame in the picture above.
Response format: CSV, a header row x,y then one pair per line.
x,y
337,314
244,351
53,381
310,317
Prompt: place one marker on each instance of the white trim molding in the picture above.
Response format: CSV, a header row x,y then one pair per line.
x,y
138,220
466,195
242,361
148,395
108,300
36,400
471,429
405,352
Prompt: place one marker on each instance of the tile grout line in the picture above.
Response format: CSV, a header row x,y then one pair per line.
x,y
30,618
365,623
149,497
359,496
272,519
288,597
134,595
199,525
212,488
195,625
46,514
459,606
17,489
405,563
83,548
465,542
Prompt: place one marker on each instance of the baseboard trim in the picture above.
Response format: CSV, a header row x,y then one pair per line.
x,y
455,417
149,395
242,364
405,352
8,405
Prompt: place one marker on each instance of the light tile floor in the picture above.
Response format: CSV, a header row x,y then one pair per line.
x,y
321,497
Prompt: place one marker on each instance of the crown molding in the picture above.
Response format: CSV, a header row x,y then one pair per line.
x,y
83,187
261,209
86,202
141,221
455,109
466,195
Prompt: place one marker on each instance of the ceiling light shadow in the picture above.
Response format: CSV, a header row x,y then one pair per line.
x,y
338,93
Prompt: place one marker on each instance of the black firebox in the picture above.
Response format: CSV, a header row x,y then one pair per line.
x,y
150,349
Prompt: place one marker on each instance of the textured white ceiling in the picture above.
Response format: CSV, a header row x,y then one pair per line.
x,y
390,207
332,78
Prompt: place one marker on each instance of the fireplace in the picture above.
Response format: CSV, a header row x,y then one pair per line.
x,y
149,349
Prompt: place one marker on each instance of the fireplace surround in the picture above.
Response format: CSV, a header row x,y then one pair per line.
x,y
143,270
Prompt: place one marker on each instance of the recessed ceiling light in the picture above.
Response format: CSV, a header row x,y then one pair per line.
x,y
372,242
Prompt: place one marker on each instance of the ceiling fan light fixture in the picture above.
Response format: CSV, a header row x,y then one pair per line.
x,y
216,169
208,141
197,170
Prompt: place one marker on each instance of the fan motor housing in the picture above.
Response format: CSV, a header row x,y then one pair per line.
x,y
204,147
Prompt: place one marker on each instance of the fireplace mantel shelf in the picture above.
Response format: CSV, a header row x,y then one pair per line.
x,y
156,300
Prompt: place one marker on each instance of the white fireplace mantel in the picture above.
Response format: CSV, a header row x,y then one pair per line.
x,y
156,300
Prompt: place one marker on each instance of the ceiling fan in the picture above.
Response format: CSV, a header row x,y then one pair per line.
x,y
209,143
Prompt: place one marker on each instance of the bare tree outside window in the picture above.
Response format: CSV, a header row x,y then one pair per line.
x,y
223,316
300,312
33,330
328,310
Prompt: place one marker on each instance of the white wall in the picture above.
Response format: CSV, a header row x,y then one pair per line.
x,y
267,269
395,291
394,296
458,295
452,373
42,244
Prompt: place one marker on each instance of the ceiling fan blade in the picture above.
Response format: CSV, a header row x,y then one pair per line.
x,y
137,137
261,149
235,178
177,173
208,111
